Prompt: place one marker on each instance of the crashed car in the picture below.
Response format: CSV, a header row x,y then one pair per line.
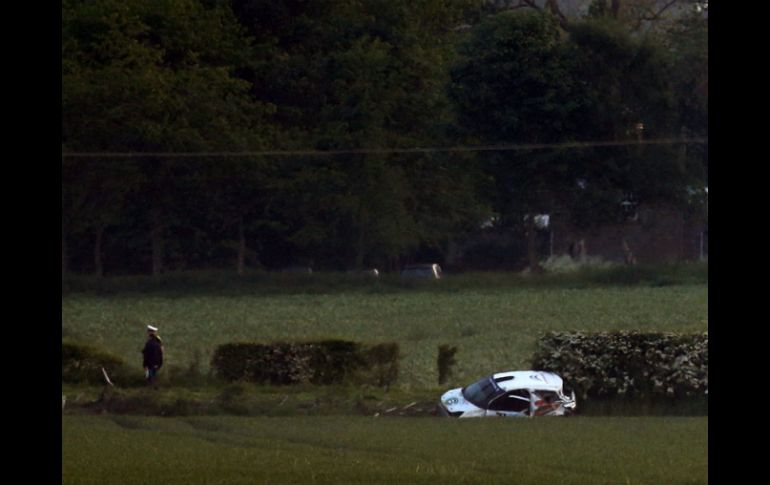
x,y
526,393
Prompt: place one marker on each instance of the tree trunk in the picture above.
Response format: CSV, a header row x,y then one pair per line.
x,y
534,264
98,268
156,237
615,8
553,7
241,247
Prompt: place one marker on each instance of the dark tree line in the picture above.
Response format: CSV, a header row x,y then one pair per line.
x,y
150,77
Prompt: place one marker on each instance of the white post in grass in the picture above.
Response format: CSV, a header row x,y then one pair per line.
x,y
106,377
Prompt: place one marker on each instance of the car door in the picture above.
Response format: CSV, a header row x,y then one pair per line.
x,y
513,403
546,403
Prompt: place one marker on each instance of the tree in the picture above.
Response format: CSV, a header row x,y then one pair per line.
x,y
629,90
622,81
236,210
380,224
647,15
156,76
513,84
522,79
352,74
94,196
446,199
687,42
349,74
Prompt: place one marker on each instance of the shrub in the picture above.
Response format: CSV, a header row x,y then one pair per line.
x,y
382,361
566,264
277,363
445,362
334,361
323,362
627,363
83,364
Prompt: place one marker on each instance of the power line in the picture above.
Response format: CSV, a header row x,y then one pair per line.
x,y
372,151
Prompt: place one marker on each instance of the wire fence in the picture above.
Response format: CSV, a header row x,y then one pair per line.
x,y
380,151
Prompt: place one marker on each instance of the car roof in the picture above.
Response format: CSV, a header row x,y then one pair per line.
x,y
528,379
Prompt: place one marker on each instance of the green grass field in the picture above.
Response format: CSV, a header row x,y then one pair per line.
x,y
346,450
306,435
494,327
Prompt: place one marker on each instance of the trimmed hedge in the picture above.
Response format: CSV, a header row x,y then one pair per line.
x,y
445,362
323,362
630,364
83,364
280,363
334,361
382,362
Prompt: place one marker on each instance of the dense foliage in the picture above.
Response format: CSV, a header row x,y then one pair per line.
x,y
445,362
149,78
323,362
86,364
626,363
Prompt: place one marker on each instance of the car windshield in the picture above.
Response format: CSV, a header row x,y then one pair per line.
x,y
481,392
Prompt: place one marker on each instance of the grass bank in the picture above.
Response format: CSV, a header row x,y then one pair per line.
x,y
243,399
192,450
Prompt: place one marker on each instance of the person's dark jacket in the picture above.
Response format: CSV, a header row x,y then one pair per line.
x,y
153,353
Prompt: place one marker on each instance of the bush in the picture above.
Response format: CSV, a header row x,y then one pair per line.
x,y
83,364
334,361
323,362
382,363
566,264
445,362
627,363
278,363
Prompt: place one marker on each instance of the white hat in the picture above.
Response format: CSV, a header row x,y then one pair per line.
x,y
151,328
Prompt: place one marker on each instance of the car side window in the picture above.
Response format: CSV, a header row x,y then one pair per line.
x,y
514,401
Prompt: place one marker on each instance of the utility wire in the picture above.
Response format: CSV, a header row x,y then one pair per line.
x,y
365,151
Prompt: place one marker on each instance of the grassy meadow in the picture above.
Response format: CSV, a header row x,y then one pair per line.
x,y
580,450
494,319
242,433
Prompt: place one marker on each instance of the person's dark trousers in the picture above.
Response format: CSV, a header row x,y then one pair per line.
x,y
152,374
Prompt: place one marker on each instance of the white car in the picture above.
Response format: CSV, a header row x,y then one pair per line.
x,y
525,393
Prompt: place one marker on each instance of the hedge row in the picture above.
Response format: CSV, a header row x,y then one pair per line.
x,y
322,362
627,363
83,364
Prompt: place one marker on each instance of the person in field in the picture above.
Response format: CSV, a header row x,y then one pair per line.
x,y
153,355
